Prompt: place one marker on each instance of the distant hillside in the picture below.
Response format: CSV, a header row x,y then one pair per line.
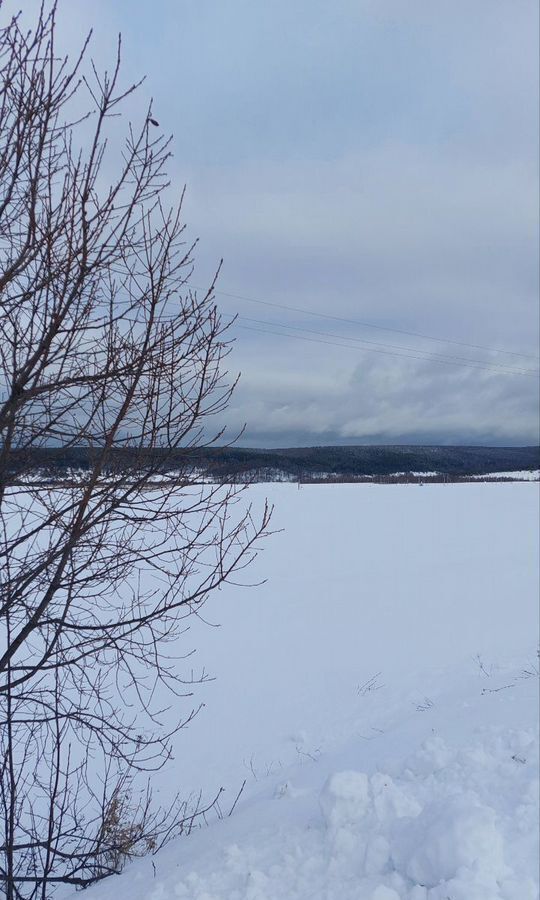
x,y
300,462
379,460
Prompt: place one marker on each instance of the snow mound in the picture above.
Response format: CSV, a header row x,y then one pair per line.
x,y
436,832
455,822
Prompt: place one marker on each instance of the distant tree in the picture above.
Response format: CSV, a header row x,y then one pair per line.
x,y
103,346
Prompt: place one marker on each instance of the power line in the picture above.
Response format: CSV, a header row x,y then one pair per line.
x,y
426,337
389,347
447,362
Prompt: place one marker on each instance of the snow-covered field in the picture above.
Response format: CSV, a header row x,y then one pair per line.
x,y
379,696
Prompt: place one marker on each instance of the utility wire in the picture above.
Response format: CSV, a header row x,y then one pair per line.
x,y
426,337
444,362
388,347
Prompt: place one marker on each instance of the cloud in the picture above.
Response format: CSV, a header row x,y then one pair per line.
x,y
388,402
367,159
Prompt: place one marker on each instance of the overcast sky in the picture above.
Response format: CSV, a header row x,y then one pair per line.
x,y
370,160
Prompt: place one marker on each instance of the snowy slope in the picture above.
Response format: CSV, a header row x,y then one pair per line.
x,y
379,695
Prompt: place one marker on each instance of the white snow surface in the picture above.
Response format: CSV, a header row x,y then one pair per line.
x,y
522,475
379,694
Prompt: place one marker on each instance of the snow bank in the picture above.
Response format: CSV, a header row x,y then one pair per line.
x,y
445,834
443,804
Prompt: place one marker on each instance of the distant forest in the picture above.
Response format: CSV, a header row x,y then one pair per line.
x,y
293,463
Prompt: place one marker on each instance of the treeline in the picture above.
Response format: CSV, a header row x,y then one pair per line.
x,y
406,478
288,464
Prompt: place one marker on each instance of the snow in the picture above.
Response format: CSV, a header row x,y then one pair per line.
x,y
416,474
522,475
379,694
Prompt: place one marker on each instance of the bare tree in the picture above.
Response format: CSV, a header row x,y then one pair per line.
x,y
103,346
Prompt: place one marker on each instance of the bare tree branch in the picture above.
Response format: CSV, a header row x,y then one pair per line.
x,y
103,345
